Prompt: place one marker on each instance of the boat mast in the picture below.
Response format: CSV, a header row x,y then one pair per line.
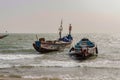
x,y
70,28
60,29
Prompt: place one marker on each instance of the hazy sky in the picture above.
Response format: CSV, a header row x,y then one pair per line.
x,y
41,16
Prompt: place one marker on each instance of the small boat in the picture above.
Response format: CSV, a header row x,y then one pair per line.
x,y
83,49
56,45
3,36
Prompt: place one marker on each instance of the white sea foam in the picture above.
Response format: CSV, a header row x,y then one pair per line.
x,y
97,64
103,64
71,77
32,77
37,77
5,65
17,56
50,63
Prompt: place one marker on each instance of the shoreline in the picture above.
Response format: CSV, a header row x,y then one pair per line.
x,y
16,77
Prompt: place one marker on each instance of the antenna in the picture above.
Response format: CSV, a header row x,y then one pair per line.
x,y
60,29
36,37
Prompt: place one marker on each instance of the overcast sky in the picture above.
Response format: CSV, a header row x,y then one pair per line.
x,y
44,16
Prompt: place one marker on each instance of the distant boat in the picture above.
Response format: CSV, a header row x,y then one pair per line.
x,y
3,36
83,49
56,45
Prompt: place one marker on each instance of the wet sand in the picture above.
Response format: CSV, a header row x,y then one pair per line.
x,y
19,78
29,79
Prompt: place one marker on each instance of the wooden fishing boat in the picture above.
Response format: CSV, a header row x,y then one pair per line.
x,y
48,46
83,49
55,45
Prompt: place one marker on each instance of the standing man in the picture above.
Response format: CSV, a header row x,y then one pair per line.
x,y
70,28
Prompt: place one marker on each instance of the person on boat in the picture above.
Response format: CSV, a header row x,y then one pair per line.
x,y
69,35
70,28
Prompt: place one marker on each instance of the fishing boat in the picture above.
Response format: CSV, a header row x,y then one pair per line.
x,y
48,46
83,49
44,46
3,36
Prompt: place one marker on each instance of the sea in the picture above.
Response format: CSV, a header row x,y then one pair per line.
x,y
19,59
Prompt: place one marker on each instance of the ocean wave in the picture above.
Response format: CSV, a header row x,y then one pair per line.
x,y
18,56
70,77
102,64
67,64
32,77
56,63
5,65
97,64
42,77
16,50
